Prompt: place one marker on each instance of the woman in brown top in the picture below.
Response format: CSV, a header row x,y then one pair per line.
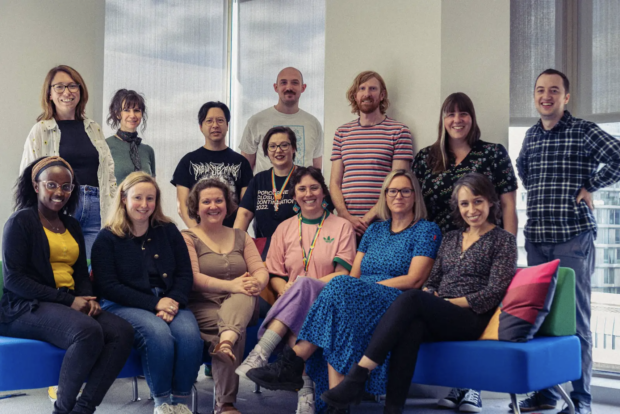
x,y
228,277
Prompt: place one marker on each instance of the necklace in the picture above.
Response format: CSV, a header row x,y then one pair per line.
x,y
277,195
307,257
54,229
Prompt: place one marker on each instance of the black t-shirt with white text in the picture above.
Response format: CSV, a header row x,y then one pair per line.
x,y
227,166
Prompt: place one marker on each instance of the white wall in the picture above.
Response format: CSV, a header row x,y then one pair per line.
x,y
36,36
424,50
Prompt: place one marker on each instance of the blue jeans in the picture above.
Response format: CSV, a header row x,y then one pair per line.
x,y
579,254
171,353
88,213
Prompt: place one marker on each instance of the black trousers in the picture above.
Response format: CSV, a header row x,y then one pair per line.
x,y
416,317
97,348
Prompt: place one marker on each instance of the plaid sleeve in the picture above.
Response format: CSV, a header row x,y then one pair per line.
x,y
504,177
604,149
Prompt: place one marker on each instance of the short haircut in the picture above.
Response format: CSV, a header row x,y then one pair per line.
x,y
25,195
118,222
290,67
280,130
555,72
365,77
440,150
193,199
315,173
479,185
204,110
419,208
49,108
126,99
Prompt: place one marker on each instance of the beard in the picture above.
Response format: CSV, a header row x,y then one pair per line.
x,y
369,107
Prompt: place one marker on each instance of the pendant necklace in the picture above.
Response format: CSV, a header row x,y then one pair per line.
x,y
54,229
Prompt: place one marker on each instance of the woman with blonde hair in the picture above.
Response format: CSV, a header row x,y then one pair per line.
x,y
63,99
228,277
395,255
142,269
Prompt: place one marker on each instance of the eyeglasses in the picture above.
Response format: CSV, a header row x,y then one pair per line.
x,y
393,192
60,88
53,185
283,146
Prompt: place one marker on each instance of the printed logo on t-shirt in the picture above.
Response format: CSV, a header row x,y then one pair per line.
x,y
328,239
264,199
226,173
300,154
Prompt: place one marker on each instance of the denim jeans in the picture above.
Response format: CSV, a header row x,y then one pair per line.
x,y
171,353
88,213
97,348
579,254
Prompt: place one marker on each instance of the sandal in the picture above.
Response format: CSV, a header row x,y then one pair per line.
x,y
224,351
226,408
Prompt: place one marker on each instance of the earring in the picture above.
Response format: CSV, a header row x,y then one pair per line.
x,y
324,204
296,207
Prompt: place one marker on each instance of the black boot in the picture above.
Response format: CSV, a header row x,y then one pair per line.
x,y
334,410
350,390
284,374
392,410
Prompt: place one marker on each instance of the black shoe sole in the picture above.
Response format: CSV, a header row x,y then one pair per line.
x,y
278,386
337,404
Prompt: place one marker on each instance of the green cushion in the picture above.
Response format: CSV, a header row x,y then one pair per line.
x,y
561,318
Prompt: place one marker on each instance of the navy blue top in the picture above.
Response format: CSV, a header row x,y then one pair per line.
x,y
119,272
28,275
79,151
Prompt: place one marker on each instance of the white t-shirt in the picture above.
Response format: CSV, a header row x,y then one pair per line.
x,y
307,129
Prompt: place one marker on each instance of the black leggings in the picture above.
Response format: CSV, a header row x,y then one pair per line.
x,y
97,348
416,317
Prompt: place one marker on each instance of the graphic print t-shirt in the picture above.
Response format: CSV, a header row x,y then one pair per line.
x,y
227,166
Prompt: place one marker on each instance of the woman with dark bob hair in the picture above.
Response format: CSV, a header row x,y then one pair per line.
x,y
474,267
269,198
228,277
300,270
63,99
142,269
48,295
127,113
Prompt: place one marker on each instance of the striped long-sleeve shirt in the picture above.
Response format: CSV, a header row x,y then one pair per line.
x,y
554,165
367,154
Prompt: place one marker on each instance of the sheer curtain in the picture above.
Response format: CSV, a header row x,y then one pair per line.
x,y
270,35
175,54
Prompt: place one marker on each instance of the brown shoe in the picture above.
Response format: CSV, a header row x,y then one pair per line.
x,y
226,408
224,351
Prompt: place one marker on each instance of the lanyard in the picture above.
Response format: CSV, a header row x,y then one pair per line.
x,y
307,257
277,195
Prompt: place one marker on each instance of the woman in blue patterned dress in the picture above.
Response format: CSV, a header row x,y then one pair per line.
x,y
394,256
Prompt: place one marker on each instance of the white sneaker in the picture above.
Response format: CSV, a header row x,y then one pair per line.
x,y
164,409
181,409
255,359
305,404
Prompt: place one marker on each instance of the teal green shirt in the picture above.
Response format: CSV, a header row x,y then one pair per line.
x,y
122,161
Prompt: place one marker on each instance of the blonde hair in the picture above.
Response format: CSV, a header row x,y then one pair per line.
x,y
118,222
49,109
365,77
419,209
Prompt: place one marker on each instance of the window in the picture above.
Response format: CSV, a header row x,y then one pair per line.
x,y
552,34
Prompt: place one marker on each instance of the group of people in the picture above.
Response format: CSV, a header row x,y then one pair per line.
x,y
418,249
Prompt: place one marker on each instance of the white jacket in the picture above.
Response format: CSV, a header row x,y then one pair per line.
x,y
44,140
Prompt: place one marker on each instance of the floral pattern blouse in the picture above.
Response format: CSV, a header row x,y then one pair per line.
x,y
486,158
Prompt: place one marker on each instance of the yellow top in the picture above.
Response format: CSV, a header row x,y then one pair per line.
x,y
64,252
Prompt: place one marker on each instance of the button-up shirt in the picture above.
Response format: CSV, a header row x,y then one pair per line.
x,y
554,165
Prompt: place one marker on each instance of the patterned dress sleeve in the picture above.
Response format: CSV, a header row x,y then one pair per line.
x,y
428,240
504,178
367,238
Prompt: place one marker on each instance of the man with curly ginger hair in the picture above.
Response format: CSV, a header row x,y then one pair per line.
x,y
365,151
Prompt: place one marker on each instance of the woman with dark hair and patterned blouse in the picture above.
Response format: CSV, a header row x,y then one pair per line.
x,y
471,274
459,151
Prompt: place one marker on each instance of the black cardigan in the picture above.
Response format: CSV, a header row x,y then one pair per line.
x,y
118,267
28,275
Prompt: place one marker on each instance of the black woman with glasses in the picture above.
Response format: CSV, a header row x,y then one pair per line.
x,y
48,295
63,99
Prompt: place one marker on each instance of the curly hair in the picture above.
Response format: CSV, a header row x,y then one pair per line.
x,y
365,77
315,173
126,99
193,199
479,185
25,195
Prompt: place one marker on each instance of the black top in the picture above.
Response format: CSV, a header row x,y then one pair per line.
x,y
77,148
120,275
226,165
148,263
259,200
28,275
